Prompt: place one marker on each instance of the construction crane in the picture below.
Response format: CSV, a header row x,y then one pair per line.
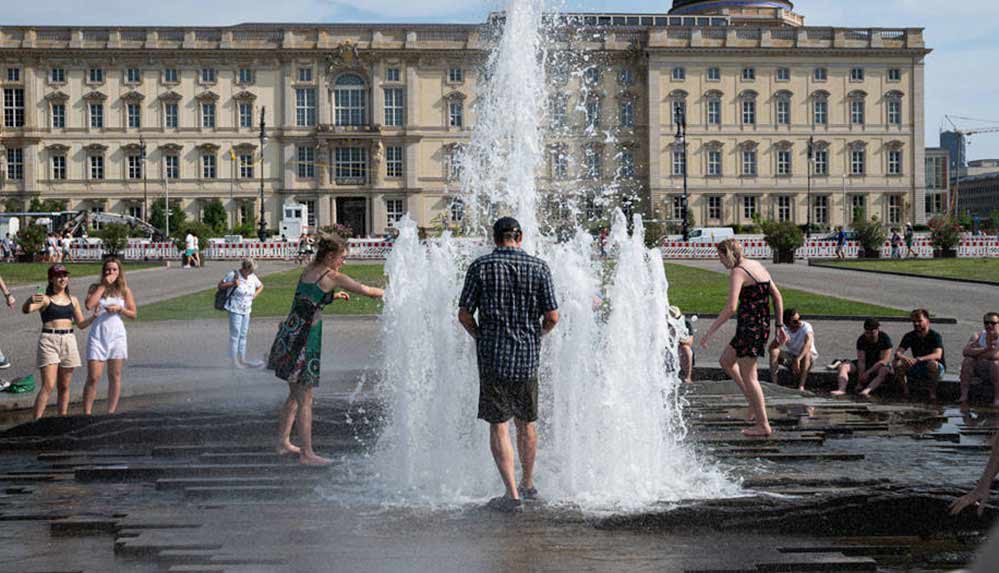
x,y
964,134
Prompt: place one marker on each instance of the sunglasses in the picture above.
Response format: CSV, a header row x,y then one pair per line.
x,y
991,322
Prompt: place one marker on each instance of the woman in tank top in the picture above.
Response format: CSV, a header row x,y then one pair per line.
x,y
110,300
57,350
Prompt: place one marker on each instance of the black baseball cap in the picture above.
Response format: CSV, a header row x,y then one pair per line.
x,y
505,225
871,324
57,270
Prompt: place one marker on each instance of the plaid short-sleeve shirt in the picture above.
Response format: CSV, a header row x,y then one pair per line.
x,y
511,291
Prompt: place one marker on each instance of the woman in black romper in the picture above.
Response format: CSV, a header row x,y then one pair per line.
x,y
751,289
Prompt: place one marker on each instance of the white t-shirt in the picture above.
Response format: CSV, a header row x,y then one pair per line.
x,y
796,340
189,242
241,301
197,244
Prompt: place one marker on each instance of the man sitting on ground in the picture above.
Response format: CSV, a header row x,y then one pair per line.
x,y
799,353
872,363
981,358
927,361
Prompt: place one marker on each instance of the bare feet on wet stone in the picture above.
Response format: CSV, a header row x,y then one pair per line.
x,y
757,432
837,393
313,460
287,448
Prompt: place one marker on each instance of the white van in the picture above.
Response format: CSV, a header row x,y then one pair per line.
x,y
711,235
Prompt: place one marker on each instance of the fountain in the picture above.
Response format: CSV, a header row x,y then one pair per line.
x,y
611,425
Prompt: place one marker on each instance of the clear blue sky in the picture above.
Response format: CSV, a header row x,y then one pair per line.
x,y
960,80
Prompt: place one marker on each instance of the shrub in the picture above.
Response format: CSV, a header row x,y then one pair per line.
x,y
870,234
157,217
782,237
945,233
114,237
215,216
31,238
342,230
654,233
47,205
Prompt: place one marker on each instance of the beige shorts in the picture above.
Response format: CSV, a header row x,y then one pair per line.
x,y
58,349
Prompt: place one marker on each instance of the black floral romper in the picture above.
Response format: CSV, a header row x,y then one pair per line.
x,y
752,329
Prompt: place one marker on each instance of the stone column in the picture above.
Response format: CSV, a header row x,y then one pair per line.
x,y
377,71
655,143
412,111
917,152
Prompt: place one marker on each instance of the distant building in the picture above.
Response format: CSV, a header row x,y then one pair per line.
x,y
978,195
937,177
956,145
980,167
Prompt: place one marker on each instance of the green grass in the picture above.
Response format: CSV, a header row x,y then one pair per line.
x,y
275,300
23,273
697,291
974,269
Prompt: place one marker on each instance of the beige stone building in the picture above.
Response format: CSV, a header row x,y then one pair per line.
x,y
362,121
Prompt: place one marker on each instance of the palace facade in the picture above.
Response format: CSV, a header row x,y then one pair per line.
x,y
363,122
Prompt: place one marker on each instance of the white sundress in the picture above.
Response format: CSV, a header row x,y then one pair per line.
x,y
108,339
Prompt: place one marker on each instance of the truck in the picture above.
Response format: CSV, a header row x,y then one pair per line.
x,y
711,235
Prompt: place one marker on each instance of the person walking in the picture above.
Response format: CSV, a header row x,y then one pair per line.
x,y
910,237
840,243
514,296
295,356
107,346
896,244
65,243
246,287
58,355
751,290
188,250
9,299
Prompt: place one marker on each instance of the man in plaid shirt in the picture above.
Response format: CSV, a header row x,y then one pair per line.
x,y
515,299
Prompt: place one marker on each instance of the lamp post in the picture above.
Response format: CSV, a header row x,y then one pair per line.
x,y
808,195
145,188
681,139
262,231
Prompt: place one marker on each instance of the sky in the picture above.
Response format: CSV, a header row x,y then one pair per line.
x,y
960,73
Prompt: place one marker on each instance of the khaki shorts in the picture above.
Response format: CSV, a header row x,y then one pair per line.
x,y
58,349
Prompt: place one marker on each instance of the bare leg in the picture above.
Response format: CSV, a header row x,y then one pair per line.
x,y
934,371
901,369
48,375
967,373
773,353
95,369
995,383
115,367
288,411
806,367
756,401
527,449
728,364
307,456
879,378
686,362
63,380
502,450
842,378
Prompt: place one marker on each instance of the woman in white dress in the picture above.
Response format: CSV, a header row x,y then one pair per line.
x,y
109,300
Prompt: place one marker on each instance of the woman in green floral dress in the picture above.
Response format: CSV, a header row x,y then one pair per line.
x,y
296,353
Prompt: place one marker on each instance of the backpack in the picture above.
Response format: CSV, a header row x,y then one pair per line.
x,y
222,295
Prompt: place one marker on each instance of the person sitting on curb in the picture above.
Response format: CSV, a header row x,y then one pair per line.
x,y
798,354
927,361
873,361
981,358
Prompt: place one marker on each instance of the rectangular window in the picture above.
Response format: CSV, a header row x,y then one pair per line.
x,y
749,162
679,74
626,77
626,113
820,210
594,163
209,167
171,164
208,115
135,211
95,75
15,163
715,208
393,161
456,75
306,162
392,75
821,112
784,162
13,74
749,112
592,113
246,166
821,162
97,167
894,112
591,76
821,74
858,161
677,208
783,208
393,211
395,105
13,107
857,112
858,207
208,75
559,104
57,76
714,74
245,76
894,162
714,111
894,74
134,113
171,115
170,76
59,167
454,163
305,74
627,168
894,209
748,74
133,76
58,115
679,162
245,114
856,74
714,163
305,107
679,109
455,114
559,162
783,74
748,207
783,111
351,164
135,167
96,115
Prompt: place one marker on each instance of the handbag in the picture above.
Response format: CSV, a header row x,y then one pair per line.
x,y
222,295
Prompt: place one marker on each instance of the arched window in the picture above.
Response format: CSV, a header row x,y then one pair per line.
x,y
858,107
782,107
820,107
350,100
893,102
747,101
678,106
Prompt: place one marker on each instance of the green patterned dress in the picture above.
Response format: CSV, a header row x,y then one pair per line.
x,y
297,350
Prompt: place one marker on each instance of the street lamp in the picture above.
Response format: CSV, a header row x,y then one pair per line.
x,y
145,189
808,196
681,139
262,231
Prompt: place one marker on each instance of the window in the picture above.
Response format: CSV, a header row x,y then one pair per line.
x,y
894,162
170,76
677,208
96,115
95,75
626,77
783,208
627,164
15,163
13,74
559,162
395,104
57,76
58,115
457,210
749,162
134,166
310,205
748,207
59,167
592,113
821,162
820,111
245,76
455,75
894,74
714,74
306,162
135,211
134,113
679,74
714,163
13,107
133,76
714,207
679,110
593,163
857,111
783,74
393,211
245,114
894,209
784,162
714,110
749,111
351,164
679,161
821,74
305,108
393,161
858,161
209,167
783,110
208,115
171,164
392,75
559,104
455,160
246,165
856,74
626,113
894,111
305,74
456,114
748,74
820,210
97,167
591,76
208,75
349,98
858,205
170,115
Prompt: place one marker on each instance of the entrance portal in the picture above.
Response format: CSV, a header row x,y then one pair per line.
x,y
353,212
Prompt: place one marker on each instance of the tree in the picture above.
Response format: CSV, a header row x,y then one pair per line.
x,y
871,236
114,236
47,205
31,238
158,215
13,205
215,216
783,239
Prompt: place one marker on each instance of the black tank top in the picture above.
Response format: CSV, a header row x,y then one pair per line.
x,y
57,312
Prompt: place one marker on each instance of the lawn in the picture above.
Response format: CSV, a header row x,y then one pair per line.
x,y
697,291
275,300
975,269
22,273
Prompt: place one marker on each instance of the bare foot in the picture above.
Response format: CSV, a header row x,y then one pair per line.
x,y
801,388
688,381
757,432
287,448
838,393
750,417
865,393
313,460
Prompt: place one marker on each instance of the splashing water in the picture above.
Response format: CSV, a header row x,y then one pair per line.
x,y
611,428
